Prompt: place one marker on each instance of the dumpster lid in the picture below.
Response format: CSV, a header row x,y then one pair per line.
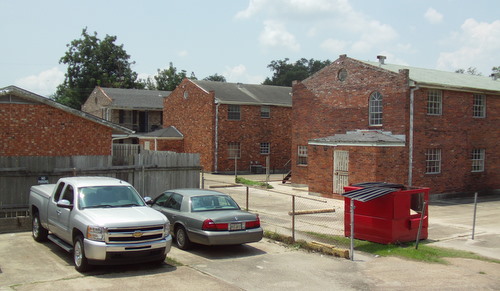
x,y
372,190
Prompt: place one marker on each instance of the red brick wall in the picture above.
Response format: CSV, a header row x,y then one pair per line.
x,y
324,106
252,130
42,130
456,133
193,116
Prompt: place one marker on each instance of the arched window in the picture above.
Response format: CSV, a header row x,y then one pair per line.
x,y
376,108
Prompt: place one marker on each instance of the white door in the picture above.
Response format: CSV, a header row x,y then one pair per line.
x,y
340,171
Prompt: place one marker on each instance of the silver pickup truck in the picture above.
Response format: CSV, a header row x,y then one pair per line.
x,y
100,220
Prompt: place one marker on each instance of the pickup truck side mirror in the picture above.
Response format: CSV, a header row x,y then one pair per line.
x,y
148,200
63,203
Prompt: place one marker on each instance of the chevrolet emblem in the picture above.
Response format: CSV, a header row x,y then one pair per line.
x,y
137,234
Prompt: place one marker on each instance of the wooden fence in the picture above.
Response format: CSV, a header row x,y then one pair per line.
x,y
150,172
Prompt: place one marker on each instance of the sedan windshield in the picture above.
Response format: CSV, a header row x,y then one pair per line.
x,y
108,196
213,202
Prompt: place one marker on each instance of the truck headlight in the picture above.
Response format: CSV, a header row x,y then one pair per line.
x,y
166,229
95,233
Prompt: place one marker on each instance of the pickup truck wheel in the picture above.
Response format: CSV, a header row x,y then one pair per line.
x,y
38,231
182,239
81,263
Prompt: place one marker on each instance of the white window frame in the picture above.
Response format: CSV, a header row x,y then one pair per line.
x,y
435,102
479,106
265,111
265,148
478,157
302,155
233,150
375,109
233,112
433,161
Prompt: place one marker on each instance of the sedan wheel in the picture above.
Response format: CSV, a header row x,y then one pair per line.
x,y
182,239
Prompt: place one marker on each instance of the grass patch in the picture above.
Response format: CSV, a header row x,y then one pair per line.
x,y
253,183
424,253
173,262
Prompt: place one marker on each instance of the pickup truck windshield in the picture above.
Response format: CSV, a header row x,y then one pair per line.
x,y
108,196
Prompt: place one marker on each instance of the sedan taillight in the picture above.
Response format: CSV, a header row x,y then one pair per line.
x,y
253,224
209,224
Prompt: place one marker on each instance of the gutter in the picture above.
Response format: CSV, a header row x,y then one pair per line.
x,y
216,135
410,142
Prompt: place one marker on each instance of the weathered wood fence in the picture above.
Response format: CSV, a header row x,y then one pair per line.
x,y
151,173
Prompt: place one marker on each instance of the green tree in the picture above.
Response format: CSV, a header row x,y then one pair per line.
x,y
167,79
216,77
94,62
285,72
495,70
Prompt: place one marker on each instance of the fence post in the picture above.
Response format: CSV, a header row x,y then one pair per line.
x,y
293,218
352,229
422,216
247,199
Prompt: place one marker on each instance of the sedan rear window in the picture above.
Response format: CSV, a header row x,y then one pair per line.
x,y
213,202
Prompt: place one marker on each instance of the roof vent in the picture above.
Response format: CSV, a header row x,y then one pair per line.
x,y
381,60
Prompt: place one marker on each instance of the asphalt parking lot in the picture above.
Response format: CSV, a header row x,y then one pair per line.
x,y
266,265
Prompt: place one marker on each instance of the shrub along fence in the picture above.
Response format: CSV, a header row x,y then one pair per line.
x,y
150,172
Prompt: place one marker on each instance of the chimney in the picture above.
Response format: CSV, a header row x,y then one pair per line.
x,y
381,60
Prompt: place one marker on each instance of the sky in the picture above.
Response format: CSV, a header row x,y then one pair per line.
x,y
239,38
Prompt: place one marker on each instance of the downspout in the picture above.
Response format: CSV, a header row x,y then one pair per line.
x,y
410,145
216,135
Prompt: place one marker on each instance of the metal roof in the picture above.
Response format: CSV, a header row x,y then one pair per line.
x,y
135,98
361,138
167,132
248,94
372,190
443,79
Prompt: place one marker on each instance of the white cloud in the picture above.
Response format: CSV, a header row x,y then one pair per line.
x,y
293,8
334,46
45,83
183,53
478,44
240,74
276,35
432,16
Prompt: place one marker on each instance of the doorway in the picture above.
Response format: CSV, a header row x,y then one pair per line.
x,y
340,171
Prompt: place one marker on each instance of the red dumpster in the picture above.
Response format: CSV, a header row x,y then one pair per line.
x,y
386,213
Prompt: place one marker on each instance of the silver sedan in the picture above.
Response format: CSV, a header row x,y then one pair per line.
x,y
207,217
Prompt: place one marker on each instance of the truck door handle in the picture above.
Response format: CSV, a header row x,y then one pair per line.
x,y
58,212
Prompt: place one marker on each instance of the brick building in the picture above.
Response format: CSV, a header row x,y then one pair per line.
x,y
32,125
138,110
357,121
225,122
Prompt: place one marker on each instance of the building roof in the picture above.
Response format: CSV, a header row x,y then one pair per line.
x,y
135,98
247,94
13,94
166,133
445,80
361,138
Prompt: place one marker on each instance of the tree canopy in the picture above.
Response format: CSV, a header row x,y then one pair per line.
x,y
94,62
470,71
285,72
216,77
167,79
